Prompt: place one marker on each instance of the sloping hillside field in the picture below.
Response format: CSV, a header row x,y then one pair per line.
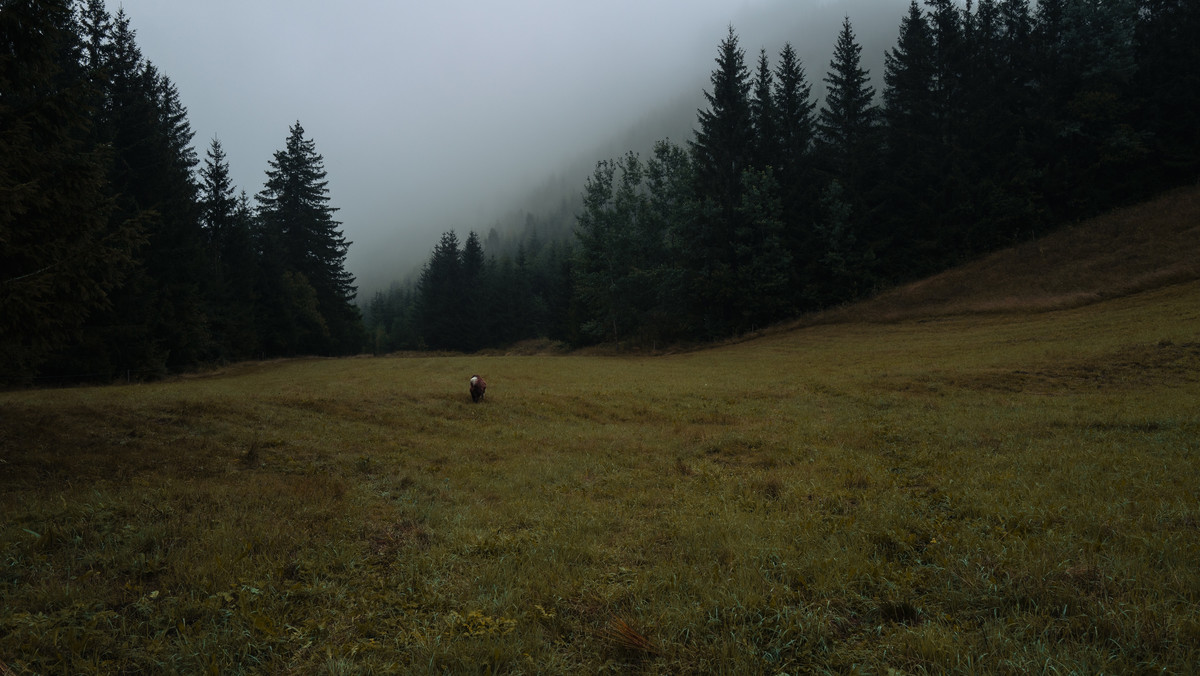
x,y
1012,493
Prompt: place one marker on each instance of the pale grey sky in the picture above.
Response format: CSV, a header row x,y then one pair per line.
x,y
435,115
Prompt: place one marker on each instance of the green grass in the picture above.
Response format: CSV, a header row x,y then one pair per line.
x,y
995,494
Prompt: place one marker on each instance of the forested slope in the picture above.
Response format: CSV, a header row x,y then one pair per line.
x,y
995,124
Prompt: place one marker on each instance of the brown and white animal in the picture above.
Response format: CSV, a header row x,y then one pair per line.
x,y
478,387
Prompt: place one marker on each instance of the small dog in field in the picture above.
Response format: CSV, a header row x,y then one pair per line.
x,y
478,387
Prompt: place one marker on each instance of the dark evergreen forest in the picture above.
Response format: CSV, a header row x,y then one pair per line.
x,y
996,122
122,255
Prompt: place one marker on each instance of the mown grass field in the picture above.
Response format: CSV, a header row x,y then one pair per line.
x,y
990,493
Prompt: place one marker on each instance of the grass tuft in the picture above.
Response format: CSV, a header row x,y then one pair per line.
x,y
252,457
625,638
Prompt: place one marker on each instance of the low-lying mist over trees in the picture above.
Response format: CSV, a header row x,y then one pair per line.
x,y
995,123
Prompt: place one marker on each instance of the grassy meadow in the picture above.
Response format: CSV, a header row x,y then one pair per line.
x,y
999,492
978,494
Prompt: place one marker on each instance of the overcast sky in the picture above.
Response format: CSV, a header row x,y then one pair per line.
x,y
431,115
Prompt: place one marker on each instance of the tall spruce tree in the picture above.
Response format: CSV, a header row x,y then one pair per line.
x,y
765,118
763,262
795,124
847,119
228,224
218,203
473,302
849,143
911,139
671,209
295,214
799,187
846,265
1104,54
1085,69
993,157
955,116
96,26
439,293
721,152
724,137
950,55
908,92
605,274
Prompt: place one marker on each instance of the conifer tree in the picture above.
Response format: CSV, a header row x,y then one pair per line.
x,y
847,119
671,210
721,152
607,256
297,219
794,109
993,156
217,203
1013,60
763,262
911,139
440,296
946,25
724,137
849,145
514,311
765,118
228,224
472,262
473,301
799,186
1085,68
908,93
845,270
95,27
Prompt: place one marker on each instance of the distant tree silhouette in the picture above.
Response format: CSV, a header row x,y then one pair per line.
x,y
606,273
440,293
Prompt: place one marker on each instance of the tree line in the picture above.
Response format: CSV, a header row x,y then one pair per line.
x,y
996,122
120,253
467,300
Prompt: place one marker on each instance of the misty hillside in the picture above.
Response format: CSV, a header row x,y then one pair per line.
x,y
550,208
802,180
